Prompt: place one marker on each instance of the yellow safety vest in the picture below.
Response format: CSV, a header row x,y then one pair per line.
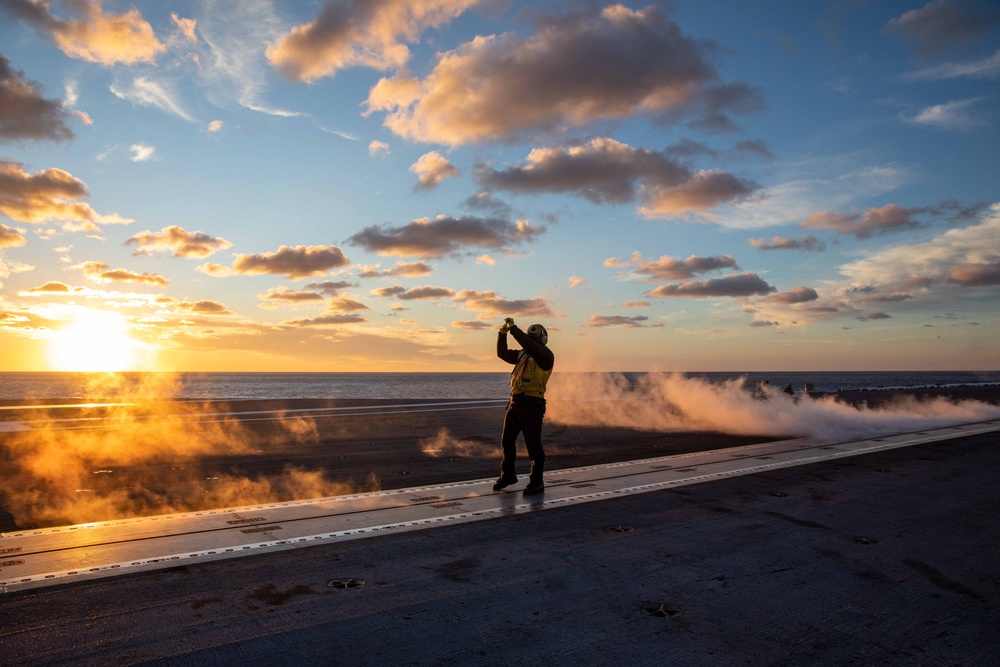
x,y
527,378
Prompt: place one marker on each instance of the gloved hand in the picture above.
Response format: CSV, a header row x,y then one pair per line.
x,y
507,324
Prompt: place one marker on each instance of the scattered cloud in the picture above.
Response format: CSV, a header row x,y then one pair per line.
x,y
953,115
283,294
434,238
797,295
873,316
179,242
490,304
401,270
358,33
576,281
24,113
575,70
329,287
887,219
378,149
810,243
294,263
345,304
414,293
49,194
185,27
739,285
11,237
215,126
608,171
473,325
142,152
202,307
941,24
980,274
431,169
327,320
97,37
100,272
672,268
617,321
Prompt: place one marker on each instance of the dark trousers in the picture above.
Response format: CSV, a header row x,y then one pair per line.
x,y
523,417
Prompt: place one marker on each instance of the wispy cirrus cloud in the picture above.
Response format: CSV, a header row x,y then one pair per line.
x,y
144,91
107,39
441,236
984,68
576,69
358,33
954,115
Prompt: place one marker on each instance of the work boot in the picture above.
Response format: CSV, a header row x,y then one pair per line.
x,y
535,486
504,482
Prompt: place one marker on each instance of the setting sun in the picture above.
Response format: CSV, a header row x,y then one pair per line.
x,y
95,341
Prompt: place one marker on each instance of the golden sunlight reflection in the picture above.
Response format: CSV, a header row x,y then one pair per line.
x,y
95,341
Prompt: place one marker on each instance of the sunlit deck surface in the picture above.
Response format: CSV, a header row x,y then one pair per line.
x,y
879,551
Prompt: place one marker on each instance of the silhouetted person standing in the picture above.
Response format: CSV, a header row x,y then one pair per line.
x,y
532,367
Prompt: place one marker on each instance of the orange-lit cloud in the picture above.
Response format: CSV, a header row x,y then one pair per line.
x,y
49,194
327,321
330,287
11,237
797,295
887,219
608,171
202,307
574,70
358,33
672,268
789,243
489,303
345,304
283,294
100,272
177,241
473,325
982,274
378,149
24,113
185,27
414,293
401,269
739,285
295,263
434,238
97,37
704,191
431,169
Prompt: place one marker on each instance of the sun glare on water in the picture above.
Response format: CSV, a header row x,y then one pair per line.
x,y
95,341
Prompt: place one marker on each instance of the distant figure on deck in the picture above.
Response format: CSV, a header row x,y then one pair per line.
x,y
532,367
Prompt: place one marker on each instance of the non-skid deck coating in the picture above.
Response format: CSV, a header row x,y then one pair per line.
x,y
46,557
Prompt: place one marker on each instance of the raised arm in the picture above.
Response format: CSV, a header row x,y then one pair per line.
x,y
542,355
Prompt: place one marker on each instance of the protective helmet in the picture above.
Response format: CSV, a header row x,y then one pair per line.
x,y
538,332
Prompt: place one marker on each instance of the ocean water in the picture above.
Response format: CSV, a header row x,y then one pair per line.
x,y
222,386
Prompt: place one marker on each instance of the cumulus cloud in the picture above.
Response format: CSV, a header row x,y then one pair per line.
x,y
283,294
633,322
672,268
100,272
789,243
24,113
293,263
96,37
473,325
327,320
431,169
358,33
215,126
51,287
401,269
489,304
940,24
378,149
202,307
157,94
607,171
576,281
142,152
177,241
887,219
739,285
433,238
873,316
797,295
702,192
345,304
957,262
11,237
329,287
49,194
415,293
576,69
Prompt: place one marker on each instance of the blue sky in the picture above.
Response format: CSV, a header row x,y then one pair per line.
x,y
371,186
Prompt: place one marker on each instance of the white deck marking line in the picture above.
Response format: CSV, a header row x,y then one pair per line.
x,y
48,557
